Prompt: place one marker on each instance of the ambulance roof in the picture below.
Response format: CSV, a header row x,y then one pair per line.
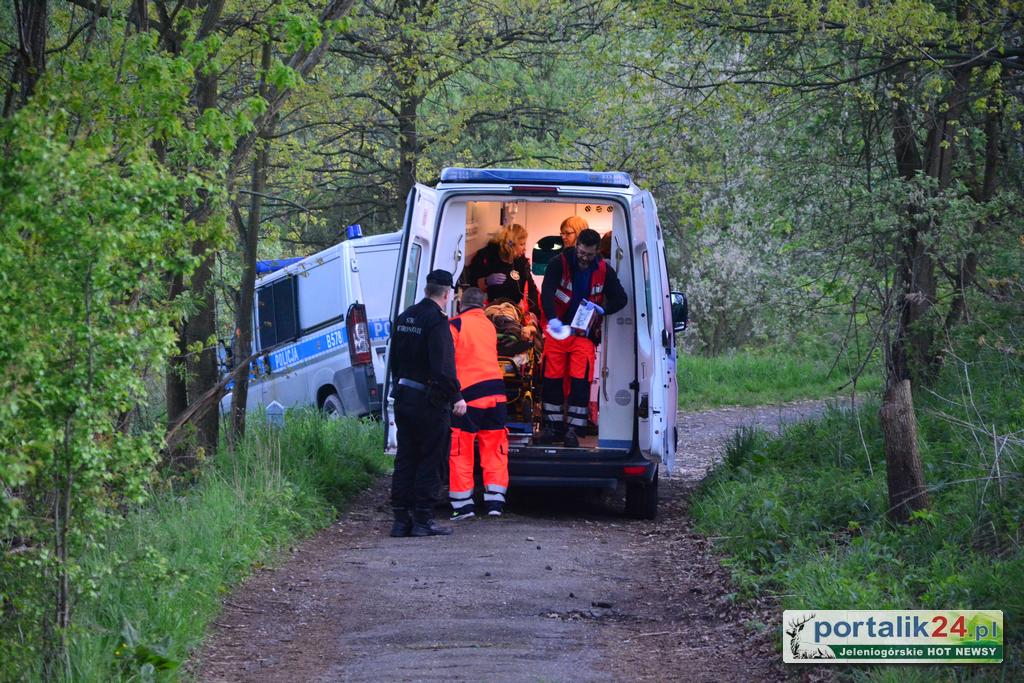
x,y
532,176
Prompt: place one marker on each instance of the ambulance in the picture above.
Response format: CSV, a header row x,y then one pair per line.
x,y
320,328
634,381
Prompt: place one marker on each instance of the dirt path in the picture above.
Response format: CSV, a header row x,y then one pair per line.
x,y
561,588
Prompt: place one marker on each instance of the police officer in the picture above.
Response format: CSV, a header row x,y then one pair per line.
x,y
426,394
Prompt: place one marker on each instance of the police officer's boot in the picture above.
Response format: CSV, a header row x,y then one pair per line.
x,y
403,523
423,524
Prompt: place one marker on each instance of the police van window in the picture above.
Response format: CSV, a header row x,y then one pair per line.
x,y
277,312
412,275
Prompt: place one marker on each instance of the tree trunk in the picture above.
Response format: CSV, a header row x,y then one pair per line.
x,y
907,492
203,373
250,242
408,144
187,375
968,266
176,395
30,57
201,327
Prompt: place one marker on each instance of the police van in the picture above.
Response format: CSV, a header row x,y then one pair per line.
x,y
634,381
320,327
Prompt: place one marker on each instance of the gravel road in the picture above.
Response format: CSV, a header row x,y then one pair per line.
x,y
562,588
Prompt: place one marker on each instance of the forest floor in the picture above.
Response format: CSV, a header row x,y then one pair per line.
x,y
563,587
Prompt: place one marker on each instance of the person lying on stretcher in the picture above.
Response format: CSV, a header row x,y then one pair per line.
x,y
517,332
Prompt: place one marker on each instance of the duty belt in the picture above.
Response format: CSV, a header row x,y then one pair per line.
x,y
412,384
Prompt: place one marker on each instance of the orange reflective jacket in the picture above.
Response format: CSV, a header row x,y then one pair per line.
x,y
476,355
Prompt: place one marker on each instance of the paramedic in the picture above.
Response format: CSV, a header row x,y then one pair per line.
x,y
426,394
578,274
483,389
502,270
570,230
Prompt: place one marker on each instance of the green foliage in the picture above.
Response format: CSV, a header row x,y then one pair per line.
x,y
411,88
91,220
804,515
158,579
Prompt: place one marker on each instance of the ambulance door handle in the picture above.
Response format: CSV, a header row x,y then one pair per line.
x,y
643,370
604,382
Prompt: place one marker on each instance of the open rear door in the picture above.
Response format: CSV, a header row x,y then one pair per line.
x,y
410,279
655,361
665,357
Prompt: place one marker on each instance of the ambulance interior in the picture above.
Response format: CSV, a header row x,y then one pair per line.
x,y
468,225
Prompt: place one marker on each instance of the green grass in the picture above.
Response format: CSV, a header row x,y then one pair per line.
x,y
803,516
161,576
765,376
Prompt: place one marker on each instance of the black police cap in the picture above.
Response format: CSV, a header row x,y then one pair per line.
x,y
440,277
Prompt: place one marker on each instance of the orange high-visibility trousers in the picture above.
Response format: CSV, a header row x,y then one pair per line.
x,y
483,424
571,358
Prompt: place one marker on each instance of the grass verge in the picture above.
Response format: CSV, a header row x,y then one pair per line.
x,y
161,576
764,376
803,515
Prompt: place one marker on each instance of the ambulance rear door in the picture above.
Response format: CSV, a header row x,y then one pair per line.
x,y
665,358
653,339
410,278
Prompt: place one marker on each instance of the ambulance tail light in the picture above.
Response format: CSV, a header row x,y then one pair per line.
x,y
634,470
358,335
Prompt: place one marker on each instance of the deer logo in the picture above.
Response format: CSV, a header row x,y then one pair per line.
x,y
796,627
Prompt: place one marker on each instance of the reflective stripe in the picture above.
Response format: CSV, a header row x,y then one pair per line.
x,y
490,497
495,488
460,495
412,384
459,504
551,408
553,417
564,296
578,410
577,421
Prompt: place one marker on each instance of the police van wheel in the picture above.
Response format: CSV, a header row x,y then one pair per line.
x,y
642,499
331,407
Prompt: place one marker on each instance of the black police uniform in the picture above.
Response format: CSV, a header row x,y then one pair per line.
x,y
425,387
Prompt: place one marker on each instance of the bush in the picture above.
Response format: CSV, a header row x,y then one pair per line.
x,y
804,514
156,583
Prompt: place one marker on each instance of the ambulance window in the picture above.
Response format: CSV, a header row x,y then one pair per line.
x,y
647,289
276,312
373,263
412,275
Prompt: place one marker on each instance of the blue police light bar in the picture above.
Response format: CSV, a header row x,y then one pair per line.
x,y
272,265
354,231
523,176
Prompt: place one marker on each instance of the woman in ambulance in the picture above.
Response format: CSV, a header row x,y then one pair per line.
x,y
570,230
502,270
